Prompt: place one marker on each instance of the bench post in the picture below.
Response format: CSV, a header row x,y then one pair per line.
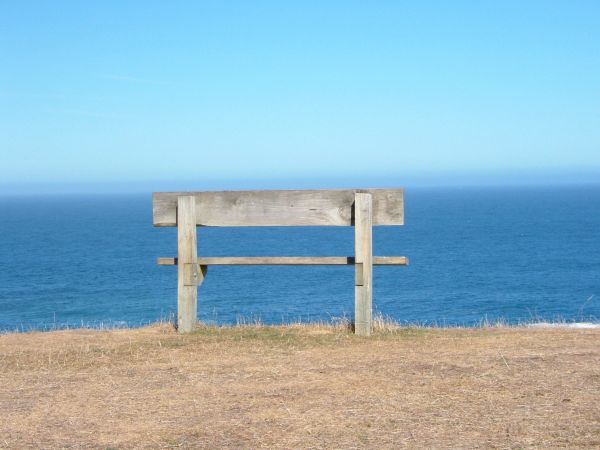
x,y
363,244
188,273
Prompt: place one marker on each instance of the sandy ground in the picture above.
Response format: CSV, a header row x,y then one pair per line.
x,y
301,387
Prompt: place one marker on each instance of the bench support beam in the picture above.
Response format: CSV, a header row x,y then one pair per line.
x,y
189,274
286,261
363,243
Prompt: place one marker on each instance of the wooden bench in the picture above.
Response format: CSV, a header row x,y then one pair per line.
x,y
361,208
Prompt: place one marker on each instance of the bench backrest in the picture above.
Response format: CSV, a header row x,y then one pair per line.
x,y
279,207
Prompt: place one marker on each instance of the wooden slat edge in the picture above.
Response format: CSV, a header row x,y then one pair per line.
x,y
390,260
275,260
286,260
166,261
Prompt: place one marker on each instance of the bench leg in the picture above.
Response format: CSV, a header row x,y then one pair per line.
x,y
363,241
188,272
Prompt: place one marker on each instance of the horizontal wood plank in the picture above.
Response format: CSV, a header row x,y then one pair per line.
x,y
166,261
390,260
279,207
286,260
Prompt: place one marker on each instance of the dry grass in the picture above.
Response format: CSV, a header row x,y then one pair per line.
x,y
301,387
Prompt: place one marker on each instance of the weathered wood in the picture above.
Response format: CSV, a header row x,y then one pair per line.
x,y
361,208
280,208
188,274
166,261
363,242
275,260
286,260
390,261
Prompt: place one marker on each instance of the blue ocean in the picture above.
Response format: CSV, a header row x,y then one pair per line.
x,y
512,254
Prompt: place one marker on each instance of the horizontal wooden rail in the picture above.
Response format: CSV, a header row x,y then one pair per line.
x,y
287,261
279,208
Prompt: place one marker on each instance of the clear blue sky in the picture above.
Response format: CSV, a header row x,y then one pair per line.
x,y
147,92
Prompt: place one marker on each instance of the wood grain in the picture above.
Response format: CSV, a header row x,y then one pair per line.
x,y
280,207
187,269
363,243
286,261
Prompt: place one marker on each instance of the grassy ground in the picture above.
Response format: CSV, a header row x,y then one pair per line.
x,y
301,387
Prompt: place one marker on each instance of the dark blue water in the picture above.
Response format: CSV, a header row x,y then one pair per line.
x,y
513,254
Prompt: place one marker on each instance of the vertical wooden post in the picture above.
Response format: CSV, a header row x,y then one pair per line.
x,y
363,244
188,275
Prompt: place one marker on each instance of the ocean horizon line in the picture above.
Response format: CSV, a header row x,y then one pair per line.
x,y
92,188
